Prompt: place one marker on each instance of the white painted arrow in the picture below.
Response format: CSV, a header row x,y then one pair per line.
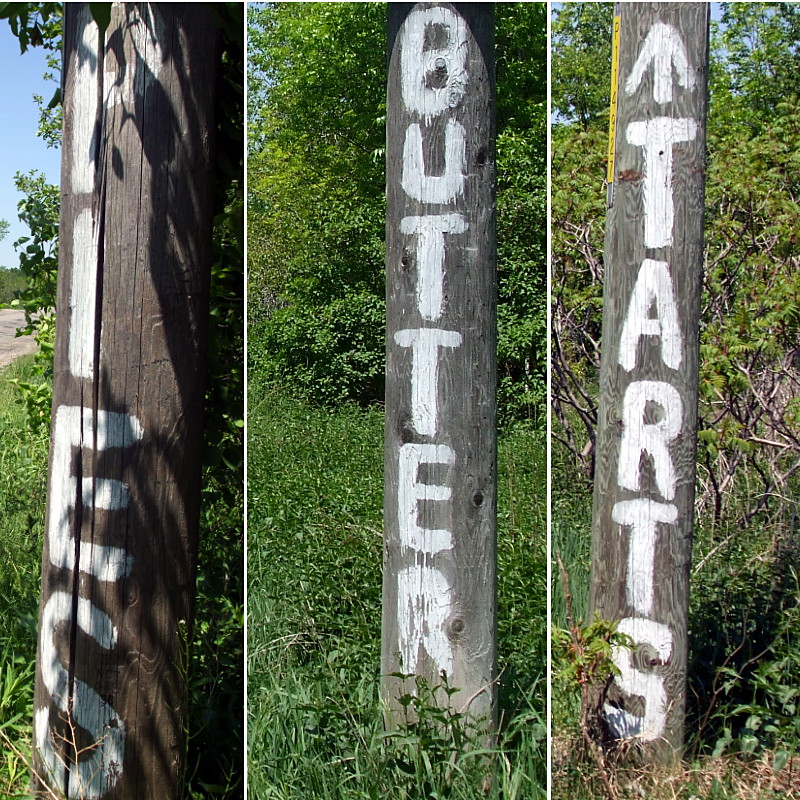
x,y
663,47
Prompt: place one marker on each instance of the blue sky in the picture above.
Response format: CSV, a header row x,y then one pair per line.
x,y
20,149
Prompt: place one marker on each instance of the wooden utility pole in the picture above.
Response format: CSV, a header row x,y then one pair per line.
x,y
118,577
439,581
645,475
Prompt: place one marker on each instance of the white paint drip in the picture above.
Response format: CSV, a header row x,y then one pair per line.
x,y
83,295
657,136
100,767
653,285
417,63
663,48
411,492
647,685
424,598
642,517
431,188
425,344
74,426
639,437
430,231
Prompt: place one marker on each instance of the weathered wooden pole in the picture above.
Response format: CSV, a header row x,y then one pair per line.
x,y
645,475
440,446
118,575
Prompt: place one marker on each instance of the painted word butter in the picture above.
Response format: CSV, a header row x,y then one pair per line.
x,y
423,592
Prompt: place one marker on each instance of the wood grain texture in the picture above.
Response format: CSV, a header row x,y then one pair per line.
x,y
136,223
439,605
653,358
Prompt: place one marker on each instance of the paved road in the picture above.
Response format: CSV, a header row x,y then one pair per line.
x,y
12,346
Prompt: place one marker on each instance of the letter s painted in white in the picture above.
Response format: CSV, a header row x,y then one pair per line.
x,y
648,686
97,772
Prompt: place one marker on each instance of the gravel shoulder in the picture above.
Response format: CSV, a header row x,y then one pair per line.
x,y
11,345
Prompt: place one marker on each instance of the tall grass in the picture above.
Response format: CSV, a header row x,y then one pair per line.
x,y
23,479
314,565
743,693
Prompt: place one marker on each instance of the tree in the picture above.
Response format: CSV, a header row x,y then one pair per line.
x,y
755,65
581,50
316,201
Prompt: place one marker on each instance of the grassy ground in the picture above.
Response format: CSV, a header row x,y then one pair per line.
x,y
314,567
23,477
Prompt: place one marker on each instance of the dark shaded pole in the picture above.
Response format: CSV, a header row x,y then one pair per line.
x,y
119,562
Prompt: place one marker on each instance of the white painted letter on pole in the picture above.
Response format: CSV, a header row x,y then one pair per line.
x,y
418,64
83,136
101,766
647,685
642,517
657,136
432,188
83,295
75,426
653,438
653,285
430,231
411,492
425,344
424,598
663,48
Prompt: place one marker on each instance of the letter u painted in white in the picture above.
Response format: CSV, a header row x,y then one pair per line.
x,y
432,188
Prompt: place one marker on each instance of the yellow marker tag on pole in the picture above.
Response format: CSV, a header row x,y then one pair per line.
x,y
612,117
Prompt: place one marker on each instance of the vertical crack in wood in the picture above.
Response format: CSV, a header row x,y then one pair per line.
x,y
71,759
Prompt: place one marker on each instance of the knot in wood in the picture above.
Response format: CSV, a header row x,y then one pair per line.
x,y
457,625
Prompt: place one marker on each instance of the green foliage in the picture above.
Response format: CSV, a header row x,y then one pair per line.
x,y
754,66
12,281
521,58
581,83
316,207
586,652
38,253
34,24
216,693
316,212
38,266
23,477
